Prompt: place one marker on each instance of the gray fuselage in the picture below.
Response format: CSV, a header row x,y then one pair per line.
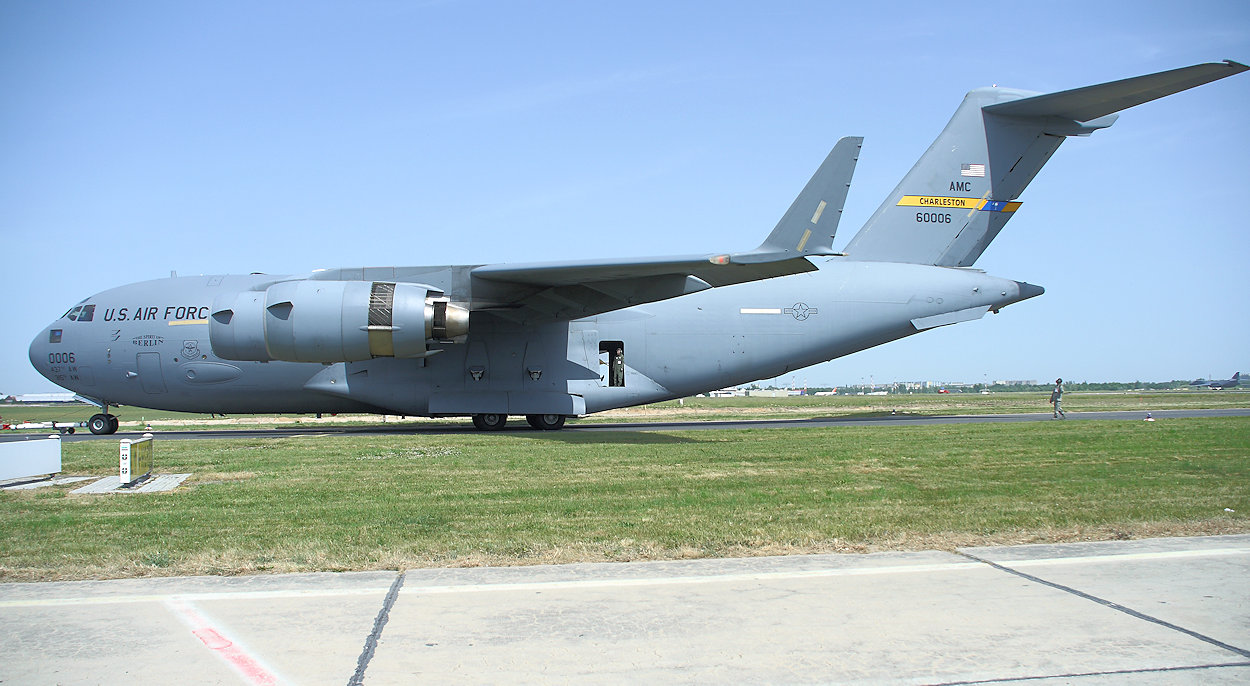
x,y
147,345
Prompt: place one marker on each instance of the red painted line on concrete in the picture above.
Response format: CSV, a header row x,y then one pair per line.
x,y
244,663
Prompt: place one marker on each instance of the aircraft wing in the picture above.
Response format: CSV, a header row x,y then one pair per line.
x,y
571,290
568,290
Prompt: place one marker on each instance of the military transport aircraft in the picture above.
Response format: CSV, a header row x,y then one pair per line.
x,y
554,340
1218,385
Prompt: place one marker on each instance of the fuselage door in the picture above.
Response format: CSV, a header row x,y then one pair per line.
x,y
150,374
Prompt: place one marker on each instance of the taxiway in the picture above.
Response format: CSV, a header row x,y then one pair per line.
x,y
1155,611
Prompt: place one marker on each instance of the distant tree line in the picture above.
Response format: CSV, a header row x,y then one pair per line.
x,y
1177,384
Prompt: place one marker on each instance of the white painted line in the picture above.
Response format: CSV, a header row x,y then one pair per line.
x,y
226,647
679,580
760,310
469,587
190,597
1129,557
413,586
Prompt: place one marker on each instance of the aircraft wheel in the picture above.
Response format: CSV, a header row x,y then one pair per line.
x,y
546,422
114,424
490,421
100,424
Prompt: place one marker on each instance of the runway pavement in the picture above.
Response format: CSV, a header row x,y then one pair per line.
x,y
592,425
1158,611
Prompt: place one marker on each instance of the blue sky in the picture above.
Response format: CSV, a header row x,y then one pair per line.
x,y
232,137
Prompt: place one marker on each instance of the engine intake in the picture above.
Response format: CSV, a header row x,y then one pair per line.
x,y
332,321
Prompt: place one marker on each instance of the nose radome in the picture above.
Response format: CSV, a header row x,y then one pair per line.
x,y
37,348
39,351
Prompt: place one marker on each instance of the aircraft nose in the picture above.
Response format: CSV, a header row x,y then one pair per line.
x,y
39,352
40,349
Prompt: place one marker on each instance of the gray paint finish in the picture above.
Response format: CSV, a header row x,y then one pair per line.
x,y
371,339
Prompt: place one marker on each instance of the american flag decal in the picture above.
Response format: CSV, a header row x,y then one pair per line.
x,y
972,170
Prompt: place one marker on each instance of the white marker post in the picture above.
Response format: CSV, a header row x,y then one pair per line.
x,y
136,460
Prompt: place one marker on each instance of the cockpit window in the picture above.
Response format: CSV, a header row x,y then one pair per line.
x,y
81,313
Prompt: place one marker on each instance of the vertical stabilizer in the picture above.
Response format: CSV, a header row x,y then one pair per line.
x,y
962,191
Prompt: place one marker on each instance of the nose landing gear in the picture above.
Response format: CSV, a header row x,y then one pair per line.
x,y
103,424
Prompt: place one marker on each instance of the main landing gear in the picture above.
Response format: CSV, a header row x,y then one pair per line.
x,y
103,424
495,422
489,422
546,422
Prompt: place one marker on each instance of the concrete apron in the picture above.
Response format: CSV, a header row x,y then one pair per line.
x,y
1164,611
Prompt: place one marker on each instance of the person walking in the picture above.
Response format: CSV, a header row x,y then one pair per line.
x,y
1055,397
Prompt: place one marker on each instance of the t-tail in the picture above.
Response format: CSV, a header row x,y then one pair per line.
x,y
962,191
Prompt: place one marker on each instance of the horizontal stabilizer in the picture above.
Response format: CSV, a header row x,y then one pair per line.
x,y
964,189
1091,102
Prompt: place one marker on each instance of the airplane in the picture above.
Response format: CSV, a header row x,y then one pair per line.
x,y
1218,385
554,340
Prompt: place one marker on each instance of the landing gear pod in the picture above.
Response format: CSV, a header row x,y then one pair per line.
x,y
332,321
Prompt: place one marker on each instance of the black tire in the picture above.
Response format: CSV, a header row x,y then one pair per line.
x,y
489,421
546,422
114,424
100,425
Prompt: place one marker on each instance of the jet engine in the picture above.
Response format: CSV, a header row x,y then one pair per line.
x,y
332,321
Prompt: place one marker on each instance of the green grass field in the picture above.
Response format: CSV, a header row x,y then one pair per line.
x,y
358,503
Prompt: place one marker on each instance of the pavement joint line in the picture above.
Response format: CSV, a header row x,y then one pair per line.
x,y
1112,605
1145,670
371,643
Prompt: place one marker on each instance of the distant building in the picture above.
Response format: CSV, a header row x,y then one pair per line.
x,y
43,398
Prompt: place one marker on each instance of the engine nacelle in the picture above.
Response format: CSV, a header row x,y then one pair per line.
x,y
332,321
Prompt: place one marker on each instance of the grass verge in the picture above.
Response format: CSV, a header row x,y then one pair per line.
x,y
355,503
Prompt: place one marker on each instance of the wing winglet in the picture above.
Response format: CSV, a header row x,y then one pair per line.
x,y
808,227
581,289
